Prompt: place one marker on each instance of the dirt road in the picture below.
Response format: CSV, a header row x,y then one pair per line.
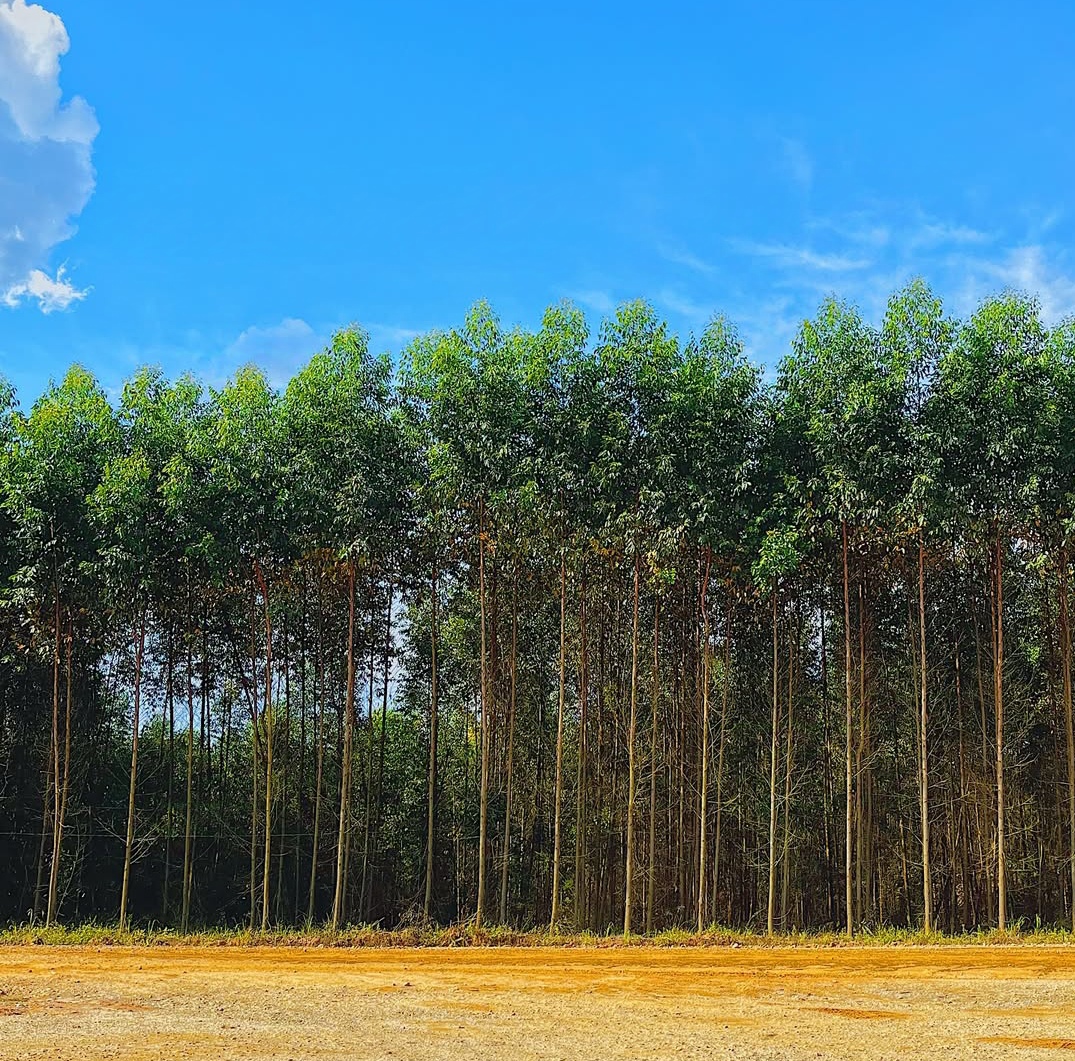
x,y
234,1003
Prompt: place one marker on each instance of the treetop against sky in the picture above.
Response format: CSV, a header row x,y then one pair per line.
x,y
206,185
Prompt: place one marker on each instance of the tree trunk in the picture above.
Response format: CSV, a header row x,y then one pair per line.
x,y
849,790
188,824
483,825
632,776
559,784
771,905
651,877
431,787
338,911
1069,730
509,794
998,694
703,809
269,728
128,850
923,746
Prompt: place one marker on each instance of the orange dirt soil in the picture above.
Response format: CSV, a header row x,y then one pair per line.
x,y
229,1003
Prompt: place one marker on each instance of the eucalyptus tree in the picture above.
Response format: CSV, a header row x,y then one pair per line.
x,y
916,337
707,444
52,465
350,473
994,418
1057,510
834,389
142,549
636,358
247,473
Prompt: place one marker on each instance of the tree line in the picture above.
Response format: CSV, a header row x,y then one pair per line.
x,y
544,628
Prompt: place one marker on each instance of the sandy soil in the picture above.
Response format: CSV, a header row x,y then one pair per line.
x,y
217,1003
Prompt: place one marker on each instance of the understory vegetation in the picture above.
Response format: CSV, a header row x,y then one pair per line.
x,y
549,633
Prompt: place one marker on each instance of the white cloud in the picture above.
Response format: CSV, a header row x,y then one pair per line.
x,y
50,293
46,172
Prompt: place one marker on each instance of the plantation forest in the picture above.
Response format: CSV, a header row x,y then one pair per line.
x,y
542,628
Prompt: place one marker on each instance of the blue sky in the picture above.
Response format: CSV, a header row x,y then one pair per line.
x,y
198,185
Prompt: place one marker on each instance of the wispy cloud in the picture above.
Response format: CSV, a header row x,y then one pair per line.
x,y
596,300
680,255
788,256
694,312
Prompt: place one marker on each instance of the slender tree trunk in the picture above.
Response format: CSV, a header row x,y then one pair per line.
x,y
724,690
998,693
795,637
55,754
703,809
559,784
849,790
128,850
923,746
510,793
581,903
632,775
483,813
655,686
1069,730
771,905
188,825
319,701
269,728
434,717
338,911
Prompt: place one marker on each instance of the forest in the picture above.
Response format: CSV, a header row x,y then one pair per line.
x,y
613,631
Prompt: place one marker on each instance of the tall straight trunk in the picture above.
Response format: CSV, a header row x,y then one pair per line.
x,y
581,911
483,813
1069,730
632,772
703,808
343,837
998,695
169,807
367,873
63,778
431,786
771,904
319,702
655,688
923,746
510,794
848,790
55,764
724,690
789,760
269,728
559,783
188,824
128,850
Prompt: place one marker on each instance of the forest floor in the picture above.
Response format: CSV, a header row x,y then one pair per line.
x,y
217,1003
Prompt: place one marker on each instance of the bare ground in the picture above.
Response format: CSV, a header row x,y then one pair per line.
x,y
519,1004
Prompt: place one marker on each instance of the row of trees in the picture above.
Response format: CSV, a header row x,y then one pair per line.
x,y
538,630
